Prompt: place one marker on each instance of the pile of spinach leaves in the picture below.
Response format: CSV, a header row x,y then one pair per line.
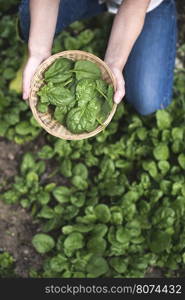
x,y
76,94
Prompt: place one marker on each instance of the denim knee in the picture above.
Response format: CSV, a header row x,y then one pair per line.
x,y
148,99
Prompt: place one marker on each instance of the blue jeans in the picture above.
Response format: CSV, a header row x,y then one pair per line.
x,y
149,70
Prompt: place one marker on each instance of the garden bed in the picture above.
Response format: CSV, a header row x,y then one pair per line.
x,y
123,189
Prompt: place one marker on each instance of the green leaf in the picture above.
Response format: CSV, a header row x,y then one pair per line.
x,y
10,197
66,168
97,245
78,200
73,242
99,230
43,197
62,194
122,235
46,213
42,107
161,152
49,187
71,43
62,148
58,71
85,91
56,95
58,263
31,179
102,87
80,170
60,113
23,128
86,69
28,162
46,152
164,119
79,182
164,166
118,264
142,133
159,241
82,119
77,228
43,243
102,213
178,133
85,37
181,160
97,266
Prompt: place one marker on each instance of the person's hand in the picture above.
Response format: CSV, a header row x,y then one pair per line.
x,y
31,66
120,84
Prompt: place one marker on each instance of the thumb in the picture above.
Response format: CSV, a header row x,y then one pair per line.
x,y
26,87
27,76
28,73
120,88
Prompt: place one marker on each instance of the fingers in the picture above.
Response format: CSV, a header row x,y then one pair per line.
x,y
29,71
120,91
120,84
26,85
27,76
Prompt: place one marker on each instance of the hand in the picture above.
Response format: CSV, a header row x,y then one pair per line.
x,y
120,84
29,70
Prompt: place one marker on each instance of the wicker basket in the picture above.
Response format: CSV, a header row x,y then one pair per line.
x,y
45,119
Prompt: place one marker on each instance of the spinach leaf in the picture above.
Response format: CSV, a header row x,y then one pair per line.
x,y
71,43
97,266
85,91
85,37
106,91
101,87
72,242
42,107
86,69
83,119
59,71
60,113
56,95
43,243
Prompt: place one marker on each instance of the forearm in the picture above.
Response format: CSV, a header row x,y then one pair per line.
x,y
43,15
126,28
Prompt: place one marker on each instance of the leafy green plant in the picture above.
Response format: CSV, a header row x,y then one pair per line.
x,y
43,243
6,265
111,206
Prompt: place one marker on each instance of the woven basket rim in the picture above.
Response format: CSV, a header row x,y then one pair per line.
x,y
43,67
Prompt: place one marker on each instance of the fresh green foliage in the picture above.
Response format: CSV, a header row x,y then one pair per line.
x,y
111,206
97,266
55,95
86,69
6,265
81,99
58,72
43,243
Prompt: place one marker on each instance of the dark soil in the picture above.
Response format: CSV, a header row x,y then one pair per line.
x,y
8,161
16,225
17,230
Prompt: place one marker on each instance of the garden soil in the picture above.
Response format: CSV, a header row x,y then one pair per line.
x,y
17,226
